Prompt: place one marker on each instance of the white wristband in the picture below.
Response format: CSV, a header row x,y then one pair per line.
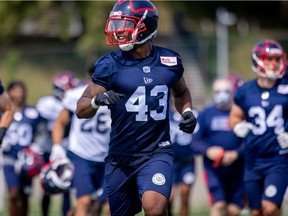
x,y
95,106
187,109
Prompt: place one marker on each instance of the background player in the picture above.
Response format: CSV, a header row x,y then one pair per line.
x,y
222,152
88,146
26,128
49,107
184,163
260,115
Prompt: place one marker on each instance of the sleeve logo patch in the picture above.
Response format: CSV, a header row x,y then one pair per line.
x,y
168,60
282,89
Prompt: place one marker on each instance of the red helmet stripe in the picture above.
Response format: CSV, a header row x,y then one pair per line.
x,y
135,10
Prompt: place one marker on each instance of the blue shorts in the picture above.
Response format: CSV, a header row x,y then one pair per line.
x,y
88,177
224,186
126,184
267,182
184,173
13,180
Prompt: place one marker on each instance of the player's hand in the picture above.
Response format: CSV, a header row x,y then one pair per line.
x,y
282,139
57,152
107,98
242,129
229,157
188,123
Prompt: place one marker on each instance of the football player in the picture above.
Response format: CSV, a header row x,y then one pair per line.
x,y
25,129
135,83
260,116
184,163
222,152
88,146
49,106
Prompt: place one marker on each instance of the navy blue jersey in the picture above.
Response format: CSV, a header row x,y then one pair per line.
x,y
140,122
214,130
267,110
22,132
181,141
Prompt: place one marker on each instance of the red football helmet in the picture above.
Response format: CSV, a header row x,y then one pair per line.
x,y
236,80
56,176
63,81
131,22
28,163
263,50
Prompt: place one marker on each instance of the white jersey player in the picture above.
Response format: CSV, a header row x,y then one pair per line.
x,y
88,147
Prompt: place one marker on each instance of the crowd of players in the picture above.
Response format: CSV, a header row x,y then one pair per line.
x,y
68,141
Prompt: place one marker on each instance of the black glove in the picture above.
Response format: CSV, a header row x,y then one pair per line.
x,y
188,123
108,98
2,134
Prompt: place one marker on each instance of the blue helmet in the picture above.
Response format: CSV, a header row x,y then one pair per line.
x,y
263,50
56,176
131,22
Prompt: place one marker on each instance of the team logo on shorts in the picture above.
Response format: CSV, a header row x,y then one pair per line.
x,y
158,179
271,191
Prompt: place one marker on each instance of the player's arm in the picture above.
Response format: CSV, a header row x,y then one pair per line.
x,y
183,104
182,96
236,115
84,107
93,97
7,109
58,133
237,122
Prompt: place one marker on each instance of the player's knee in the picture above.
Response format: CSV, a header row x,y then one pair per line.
x,y
155,211
256,212
270,209
14,195
84,202
233,210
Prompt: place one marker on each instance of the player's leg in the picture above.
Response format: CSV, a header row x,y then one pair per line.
x,y
17,200
66,202
234,188
216,192
187,180
45,203
185,190
274,190
156,192
122,190
154,203
88,178
254,193
171,200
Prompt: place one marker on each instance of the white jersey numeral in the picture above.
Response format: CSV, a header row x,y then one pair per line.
x,y
137,103
274,119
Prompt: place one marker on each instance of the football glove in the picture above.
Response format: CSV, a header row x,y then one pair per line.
x,y
188,122
242,129
57,152
107,98
282,139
